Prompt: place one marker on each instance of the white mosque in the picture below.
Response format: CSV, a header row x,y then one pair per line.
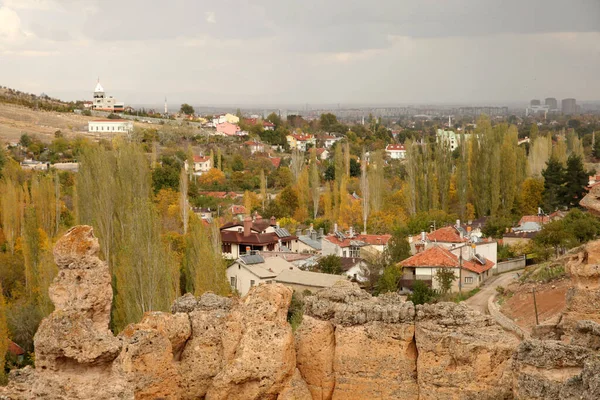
x,y
105,103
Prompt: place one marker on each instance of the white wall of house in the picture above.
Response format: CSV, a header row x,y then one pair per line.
x,y
110,126
487,249
356,272
241,279
470,280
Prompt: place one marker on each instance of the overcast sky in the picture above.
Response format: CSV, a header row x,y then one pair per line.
x,y
303,51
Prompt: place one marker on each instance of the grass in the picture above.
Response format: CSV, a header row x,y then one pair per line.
x,y
543,273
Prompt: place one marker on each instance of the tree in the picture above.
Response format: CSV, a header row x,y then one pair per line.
x,y
183,202
328,121
376,180
364,188
3,336
315,182
263,188
553,234
212,177
421,293
554,180
186,109
297,163
398,248
445,277
576,181
530,197
330,264
389,280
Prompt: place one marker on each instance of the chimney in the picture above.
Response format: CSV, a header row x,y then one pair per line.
x,y
273,221
423,237
313,235
321,232
298,232
419,247
334,228
351,232
458,223
247,225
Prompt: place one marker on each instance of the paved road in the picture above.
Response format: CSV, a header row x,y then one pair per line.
x,y
480,300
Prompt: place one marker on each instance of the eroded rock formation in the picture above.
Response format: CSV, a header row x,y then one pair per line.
x,y
350,345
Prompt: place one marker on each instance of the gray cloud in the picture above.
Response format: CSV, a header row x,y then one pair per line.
x,y
311,51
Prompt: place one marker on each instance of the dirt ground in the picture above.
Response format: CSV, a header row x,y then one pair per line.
x,y
17,120
550,299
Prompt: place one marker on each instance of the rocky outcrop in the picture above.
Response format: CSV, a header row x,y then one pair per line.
x,y
350,345
462,354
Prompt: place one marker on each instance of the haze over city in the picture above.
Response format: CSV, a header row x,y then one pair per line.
x,y
268,52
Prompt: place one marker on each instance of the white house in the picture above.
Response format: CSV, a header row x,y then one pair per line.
x,y
329,140
450,138
202,164
322,154
100,126
396,151
255,147
354,268
105,103
350,244
254,269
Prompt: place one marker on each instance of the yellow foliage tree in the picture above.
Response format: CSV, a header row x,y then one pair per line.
x,y
212,177
3,336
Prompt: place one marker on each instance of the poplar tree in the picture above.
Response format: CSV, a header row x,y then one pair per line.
x,y
364,188
3,336
508,160
462,177
296,163
11,209
183,199
303,190
375,180
263,188
347,158
315,182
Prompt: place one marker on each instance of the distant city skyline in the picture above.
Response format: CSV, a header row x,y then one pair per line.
x,y
462,52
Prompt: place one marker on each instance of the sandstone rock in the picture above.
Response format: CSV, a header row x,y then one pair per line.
x,y
146,363
543,368
315,352
184,304
175,327
462,354
295,389
375,360
346,304
202,358
591,200
258,347
67,339
587,335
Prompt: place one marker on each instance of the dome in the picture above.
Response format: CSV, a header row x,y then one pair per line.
x,y
99,88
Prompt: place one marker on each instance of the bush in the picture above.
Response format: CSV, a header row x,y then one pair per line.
x,y
296,311
421,293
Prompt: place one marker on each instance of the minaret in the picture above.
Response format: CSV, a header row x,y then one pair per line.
x,y
166,108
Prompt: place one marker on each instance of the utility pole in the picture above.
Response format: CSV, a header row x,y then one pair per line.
x,y
460,262
537,322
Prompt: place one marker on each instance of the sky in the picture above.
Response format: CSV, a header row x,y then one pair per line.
x,y
297,52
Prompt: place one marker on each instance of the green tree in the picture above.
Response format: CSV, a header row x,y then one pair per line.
x,y
398,248
3,336
421,293
554,235
576,181
445,277
389,280
328,121
186,109
554,180
330,264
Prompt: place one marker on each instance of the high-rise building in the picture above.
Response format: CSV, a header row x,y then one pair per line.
x,y
535,102
569,106
105,103
552,103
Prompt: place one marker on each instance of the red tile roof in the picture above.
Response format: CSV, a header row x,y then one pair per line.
x,y
269,124
253,143
369,239
14,348
275,161
303,138
320,151
438,256
201,158
238,209
448,234
395,147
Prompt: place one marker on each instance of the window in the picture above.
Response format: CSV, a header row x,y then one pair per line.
x,y
468,279
251,282
226,247
354,252
232,281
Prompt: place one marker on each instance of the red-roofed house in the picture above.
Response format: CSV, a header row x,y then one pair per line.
x,y
268,126
250,235
329,140
322,153
202,164
255,147
470,272
396,151
228,129
350,245
15,350
276,161
300,142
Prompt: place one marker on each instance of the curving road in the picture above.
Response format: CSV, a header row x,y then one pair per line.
x,y
480,300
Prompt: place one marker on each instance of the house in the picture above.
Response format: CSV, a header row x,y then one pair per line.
x,y
353,268
300,142
450,138
268,126
310,242
276,161
451,237
251,269
16,351
351,244
470,270
322,154
518,238
255,147
228,129
202,164
230,118
396,151
237,212
256,234
254,269
203,213
100,126
329,140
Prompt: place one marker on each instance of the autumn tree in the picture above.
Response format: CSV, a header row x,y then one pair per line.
x,y
297,163
376,180
530,197
213,177
12,207
303,191
263,188
3,336
364,188
203,261
315,182
183,199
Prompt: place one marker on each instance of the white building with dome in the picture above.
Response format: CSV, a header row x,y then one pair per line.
x,y
105,103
